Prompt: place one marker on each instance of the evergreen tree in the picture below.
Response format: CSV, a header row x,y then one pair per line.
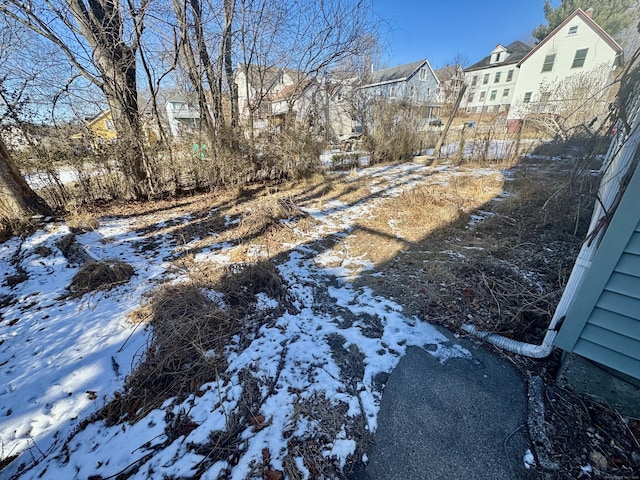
x,y
614,16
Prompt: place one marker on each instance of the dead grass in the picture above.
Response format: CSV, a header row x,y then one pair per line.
x,y
240,283
81,221
103,275
185,351
419,212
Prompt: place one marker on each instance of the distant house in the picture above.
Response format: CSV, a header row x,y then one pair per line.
x,y
101,127
258,86
557,69
299,102
451,78
102,131
182,114
414,83
491,82
341,109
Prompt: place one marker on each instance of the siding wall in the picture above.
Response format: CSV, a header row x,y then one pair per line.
x,y
475,101
412,89
603,323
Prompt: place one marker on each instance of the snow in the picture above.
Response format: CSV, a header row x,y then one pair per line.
x,y
62,359
528,459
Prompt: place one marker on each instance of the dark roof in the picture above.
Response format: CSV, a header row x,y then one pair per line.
x,y
516,50
394,74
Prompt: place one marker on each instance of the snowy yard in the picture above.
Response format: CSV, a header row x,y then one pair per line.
x,y
317,367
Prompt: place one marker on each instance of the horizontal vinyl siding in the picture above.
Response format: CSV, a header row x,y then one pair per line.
x,y
622,363
629,264
603,322
634,244
621,304
611,335
618,344
615,322
624,284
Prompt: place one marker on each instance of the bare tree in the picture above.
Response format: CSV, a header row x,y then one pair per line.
x,y
18,202
92,35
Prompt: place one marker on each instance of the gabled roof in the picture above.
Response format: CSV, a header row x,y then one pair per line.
x,y
447,73
291,91
397,74
180,98
517,51
97,117
586,19
263,78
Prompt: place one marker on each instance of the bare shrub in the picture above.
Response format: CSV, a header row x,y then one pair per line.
x,y
393,131
103,275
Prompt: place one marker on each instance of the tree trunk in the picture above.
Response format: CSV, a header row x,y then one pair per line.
x,y
226,50
101,25
18,202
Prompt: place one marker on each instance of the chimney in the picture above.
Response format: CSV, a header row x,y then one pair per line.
x,y
589,12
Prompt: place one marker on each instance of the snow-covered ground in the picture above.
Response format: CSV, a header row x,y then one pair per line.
x,y
62,359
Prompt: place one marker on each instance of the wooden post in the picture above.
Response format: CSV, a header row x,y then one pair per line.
x,y
445,130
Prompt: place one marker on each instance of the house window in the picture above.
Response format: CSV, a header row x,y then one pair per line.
x,y
545,97
497,77
428,93
482,96
470,98
527,97
578,60
498,56
474,80
573,30
493,95
510,75
485,80
109,125
413,91
547,66
392,92
505,92
423,74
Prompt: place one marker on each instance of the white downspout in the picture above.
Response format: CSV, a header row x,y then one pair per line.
x,y
614,169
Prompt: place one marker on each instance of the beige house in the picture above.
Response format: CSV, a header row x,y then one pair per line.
x,y
574,62
257,86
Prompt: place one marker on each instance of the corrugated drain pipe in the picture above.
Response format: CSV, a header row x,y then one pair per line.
x,y
613,169
543,350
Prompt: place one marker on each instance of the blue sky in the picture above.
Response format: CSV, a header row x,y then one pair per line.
x,y
440,30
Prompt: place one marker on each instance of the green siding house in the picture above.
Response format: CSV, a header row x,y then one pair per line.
x,y
603,322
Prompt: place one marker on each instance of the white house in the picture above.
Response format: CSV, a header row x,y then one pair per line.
x,y
257,85
299,102
451,78
491,82
182,114
562,67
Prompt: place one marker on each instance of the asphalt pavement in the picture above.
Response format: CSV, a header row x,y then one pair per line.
x,y
464,419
